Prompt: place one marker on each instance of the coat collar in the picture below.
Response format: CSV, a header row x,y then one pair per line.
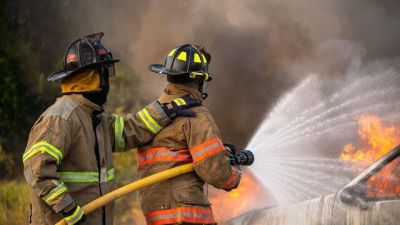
x,y
86,104
178,90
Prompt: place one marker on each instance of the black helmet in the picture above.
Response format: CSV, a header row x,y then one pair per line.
x,y
184,64
85,53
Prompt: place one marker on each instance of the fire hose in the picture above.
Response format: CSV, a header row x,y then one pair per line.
x,y
244,158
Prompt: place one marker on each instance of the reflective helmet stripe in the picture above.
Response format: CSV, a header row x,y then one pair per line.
x,y
196,58
204,58
171,53
182,56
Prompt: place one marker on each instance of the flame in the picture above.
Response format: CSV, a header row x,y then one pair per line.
x,y
227,205
376,139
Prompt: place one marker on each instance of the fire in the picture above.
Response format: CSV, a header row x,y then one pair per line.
x,y
376,139
227,205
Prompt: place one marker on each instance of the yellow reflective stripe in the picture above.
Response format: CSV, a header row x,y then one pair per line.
x,y
85,177
171,53
119,142
75,217
110,174
197,58
195,75
43,146
57,191
150,123
79,177
182,56
179,101
204,58
182,101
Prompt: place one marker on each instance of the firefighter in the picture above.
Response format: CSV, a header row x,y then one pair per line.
x,y
194,140
68,160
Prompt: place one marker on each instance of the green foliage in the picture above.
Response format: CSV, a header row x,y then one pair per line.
x,y
31,47
6,161
13,202
22,97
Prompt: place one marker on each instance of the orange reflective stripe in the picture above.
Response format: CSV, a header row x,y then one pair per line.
x,y
207,149
162,154
181,215
232,180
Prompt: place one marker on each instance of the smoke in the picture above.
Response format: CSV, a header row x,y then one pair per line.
x,y
260,49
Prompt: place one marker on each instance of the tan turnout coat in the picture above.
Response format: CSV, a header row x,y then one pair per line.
x,y
63,162
194,140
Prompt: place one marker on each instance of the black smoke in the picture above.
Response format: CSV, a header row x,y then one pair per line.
x,y
260,48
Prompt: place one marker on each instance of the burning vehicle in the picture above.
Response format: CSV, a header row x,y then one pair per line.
x,y
371,198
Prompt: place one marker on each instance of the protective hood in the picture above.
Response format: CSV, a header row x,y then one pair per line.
x,y
87,81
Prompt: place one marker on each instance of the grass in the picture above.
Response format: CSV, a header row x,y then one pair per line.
x,y
14,202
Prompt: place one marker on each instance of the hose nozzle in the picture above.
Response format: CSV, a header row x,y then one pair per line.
x,y
243,158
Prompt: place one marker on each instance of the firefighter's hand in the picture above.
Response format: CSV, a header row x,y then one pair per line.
x,y
232,152
74,216
180,107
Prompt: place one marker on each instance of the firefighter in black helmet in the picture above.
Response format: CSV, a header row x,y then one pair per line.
x,y
197,140
86,54
185,64
68,160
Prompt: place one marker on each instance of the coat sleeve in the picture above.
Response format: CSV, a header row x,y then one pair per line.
x,y
133,130
48,143
210,158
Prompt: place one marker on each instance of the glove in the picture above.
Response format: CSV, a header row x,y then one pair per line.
x,y
74,216
180,107
232,152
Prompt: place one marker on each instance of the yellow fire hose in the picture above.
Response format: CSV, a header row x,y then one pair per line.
x,y
122,191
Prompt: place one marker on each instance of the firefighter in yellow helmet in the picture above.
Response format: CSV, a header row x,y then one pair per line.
x,y
68,160
194,140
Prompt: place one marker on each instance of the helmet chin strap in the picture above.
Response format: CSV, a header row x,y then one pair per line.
x,y
202,87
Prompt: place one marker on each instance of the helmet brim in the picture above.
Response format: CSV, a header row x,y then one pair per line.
x,y
62,74
160,69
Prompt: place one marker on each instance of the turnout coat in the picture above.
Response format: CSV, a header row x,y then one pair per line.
x,y
194,140
69,159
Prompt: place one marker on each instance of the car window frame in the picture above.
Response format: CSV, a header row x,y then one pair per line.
x,y
374,168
